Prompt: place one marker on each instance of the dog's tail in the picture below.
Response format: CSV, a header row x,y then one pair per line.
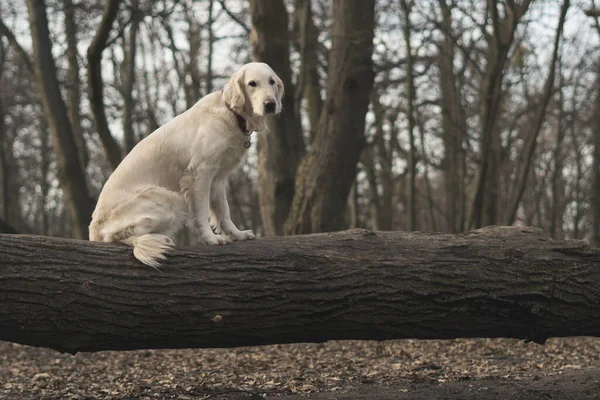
x,y
150,248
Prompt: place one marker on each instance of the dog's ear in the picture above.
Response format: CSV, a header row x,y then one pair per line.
x,y
233,92
280,92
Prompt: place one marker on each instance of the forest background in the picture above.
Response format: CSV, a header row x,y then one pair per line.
x,y
431,115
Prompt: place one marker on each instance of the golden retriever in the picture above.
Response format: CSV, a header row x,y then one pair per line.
x,y
178,174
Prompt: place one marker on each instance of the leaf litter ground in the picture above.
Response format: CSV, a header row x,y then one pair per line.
x,y
411,369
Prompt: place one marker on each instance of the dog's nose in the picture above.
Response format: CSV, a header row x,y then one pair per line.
x,y
270,106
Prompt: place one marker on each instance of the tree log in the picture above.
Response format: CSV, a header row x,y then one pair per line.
x,y
511,282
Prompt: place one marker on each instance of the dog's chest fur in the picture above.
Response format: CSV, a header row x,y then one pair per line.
x,y
234,155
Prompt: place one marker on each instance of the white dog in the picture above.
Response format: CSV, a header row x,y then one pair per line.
x,y
178,174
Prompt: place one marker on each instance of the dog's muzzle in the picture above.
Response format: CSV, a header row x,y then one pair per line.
x,y
270,107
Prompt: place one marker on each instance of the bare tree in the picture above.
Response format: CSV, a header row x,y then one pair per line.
x,y
281,150
484,206
96,84
453,122
73,81
378,159
4,170
556,184
411,93
595,184
128,78
530,144
71,174
211,42
308,87
329,169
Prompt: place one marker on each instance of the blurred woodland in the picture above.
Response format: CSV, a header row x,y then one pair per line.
x,y
431,115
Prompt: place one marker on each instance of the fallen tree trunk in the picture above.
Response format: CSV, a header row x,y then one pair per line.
x,y
494,282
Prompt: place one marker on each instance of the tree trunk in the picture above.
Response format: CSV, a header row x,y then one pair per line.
x,y
129,80
494,282
410,99
73,82
211,44
579,195
71,174
192,68
595,197
557,192
499,44
374,199
531,142
45,161
307,43
454,125
96,85
328,171
595,184
4,182
383,175
149,100
281,149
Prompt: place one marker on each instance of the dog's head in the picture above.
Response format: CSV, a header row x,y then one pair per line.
x,y
254,89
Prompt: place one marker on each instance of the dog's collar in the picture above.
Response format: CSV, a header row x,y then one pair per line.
x,y
242,124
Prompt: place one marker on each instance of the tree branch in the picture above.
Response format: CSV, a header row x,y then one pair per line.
x,y
23,55
234,17
494,282
592,13
96,85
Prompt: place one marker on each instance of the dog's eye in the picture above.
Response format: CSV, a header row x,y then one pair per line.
x,y
271,82
252,83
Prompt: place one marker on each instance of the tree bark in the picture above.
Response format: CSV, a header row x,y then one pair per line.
x,y
410,99
23,55
73,82
557,186
595,186
307,43
4,168
96,85
454,126
45,185
494,282
211,45
382,176
71,174
281,149
129,79
326,174
191,67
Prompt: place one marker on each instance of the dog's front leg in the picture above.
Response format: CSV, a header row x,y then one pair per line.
x,y
199,202
221,214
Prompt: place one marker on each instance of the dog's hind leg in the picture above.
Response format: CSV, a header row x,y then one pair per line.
x,y
147,223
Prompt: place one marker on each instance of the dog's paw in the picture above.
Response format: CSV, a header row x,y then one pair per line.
x,y
215,239
216,229
243,235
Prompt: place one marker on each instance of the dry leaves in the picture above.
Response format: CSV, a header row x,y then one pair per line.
x,y
279,369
